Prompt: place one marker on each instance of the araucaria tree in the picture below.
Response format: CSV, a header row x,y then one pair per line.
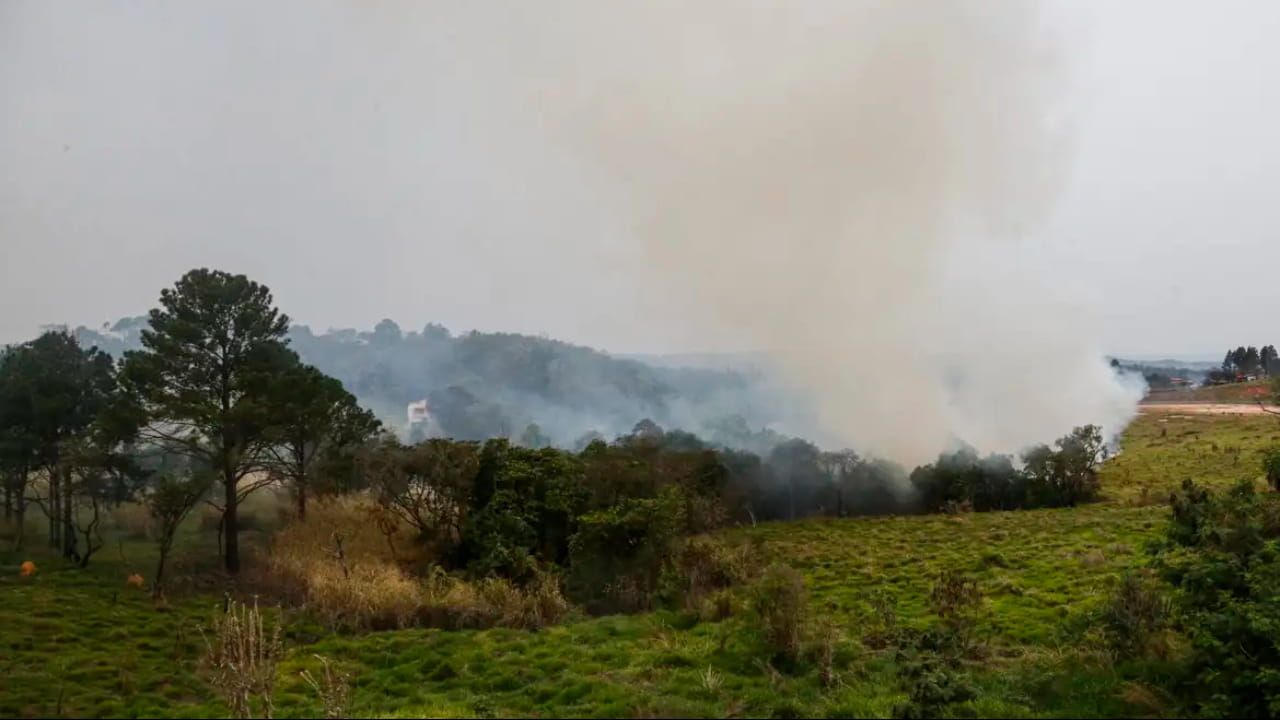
x,y
203,380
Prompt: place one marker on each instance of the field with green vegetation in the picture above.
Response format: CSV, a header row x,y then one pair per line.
x,y
84,643
1160,450
1242,392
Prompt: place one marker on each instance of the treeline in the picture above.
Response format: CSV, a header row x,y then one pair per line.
x,y
484,385
610,516
1062,476
1246,361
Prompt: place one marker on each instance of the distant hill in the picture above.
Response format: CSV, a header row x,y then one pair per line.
x,y
479,385
1201,366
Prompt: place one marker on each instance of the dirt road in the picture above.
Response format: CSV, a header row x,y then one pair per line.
x,y
1204,408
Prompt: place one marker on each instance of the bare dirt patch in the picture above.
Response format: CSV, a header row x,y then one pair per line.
x,y
1205,408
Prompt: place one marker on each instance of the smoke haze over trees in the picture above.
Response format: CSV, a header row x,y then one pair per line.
x,y
483,385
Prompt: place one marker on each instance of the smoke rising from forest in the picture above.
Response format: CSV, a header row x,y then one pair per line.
x,y
856,190
848,188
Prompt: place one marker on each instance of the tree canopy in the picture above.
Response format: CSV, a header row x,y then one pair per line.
x,y
203,378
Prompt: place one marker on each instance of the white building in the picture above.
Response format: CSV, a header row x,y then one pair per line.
x,y
418,412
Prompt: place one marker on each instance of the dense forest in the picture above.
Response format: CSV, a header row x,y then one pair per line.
x,y
528,389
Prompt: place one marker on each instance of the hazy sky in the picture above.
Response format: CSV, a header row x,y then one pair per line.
x,y
371,159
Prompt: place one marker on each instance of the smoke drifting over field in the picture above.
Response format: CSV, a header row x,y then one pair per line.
x,y
849,189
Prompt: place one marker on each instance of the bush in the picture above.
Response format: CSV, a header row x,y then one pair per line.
x,y
1137,610
780,604
931,661
618,556
1222,554
341,565
372,596
347,565
707,568
453,603
1271,467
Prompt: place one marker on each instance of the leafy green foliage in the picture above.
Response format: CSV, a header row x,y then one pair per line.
x,y
429,485
1271,467
1137,610
780,604
1049,477
313,418
61,413
617,556
171,499
1222,554
527,513
204,379
931,661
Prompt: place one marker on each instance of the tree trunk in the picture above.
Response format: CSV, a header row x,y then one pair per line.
x,y
222,523
21,517
68,521
55,512
302,501
230,525
157,586
8,499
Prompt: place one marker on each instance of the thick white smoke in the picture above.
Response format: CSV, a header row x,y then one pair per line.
x,y
851,188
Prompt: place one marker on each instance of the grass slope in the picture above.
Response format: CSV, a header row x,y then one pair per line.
x,y
83,644
1242,392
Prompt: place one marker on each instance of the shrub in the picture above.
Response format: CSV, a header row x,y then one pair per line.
x,y
450,602
705,567
525,510
931,662
618,556
1271,467
719,605
1222,554
241,657
884,622
373,596
780,604
340,565
1136,611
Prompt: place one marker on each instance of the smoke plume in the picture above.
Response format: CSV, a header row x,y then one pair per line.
x,y
854,189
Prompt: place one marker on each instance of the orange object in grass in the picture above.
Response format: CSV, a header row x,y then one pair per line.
x,y
28,569
134,580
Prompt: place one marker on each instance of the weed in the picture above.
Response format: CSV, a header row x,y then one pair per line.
x,y
241,657
781,605
333,687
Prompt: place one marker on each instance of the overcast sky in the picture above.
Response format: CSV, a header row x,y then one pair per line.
x,y
370,160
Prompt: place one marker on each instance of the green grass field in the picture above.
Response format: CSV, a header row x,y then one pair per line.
x,y
1160,450
81,643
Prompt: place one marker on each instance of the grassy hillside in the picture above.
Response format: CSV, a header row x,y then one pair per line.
x,y
83,643
1230,393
